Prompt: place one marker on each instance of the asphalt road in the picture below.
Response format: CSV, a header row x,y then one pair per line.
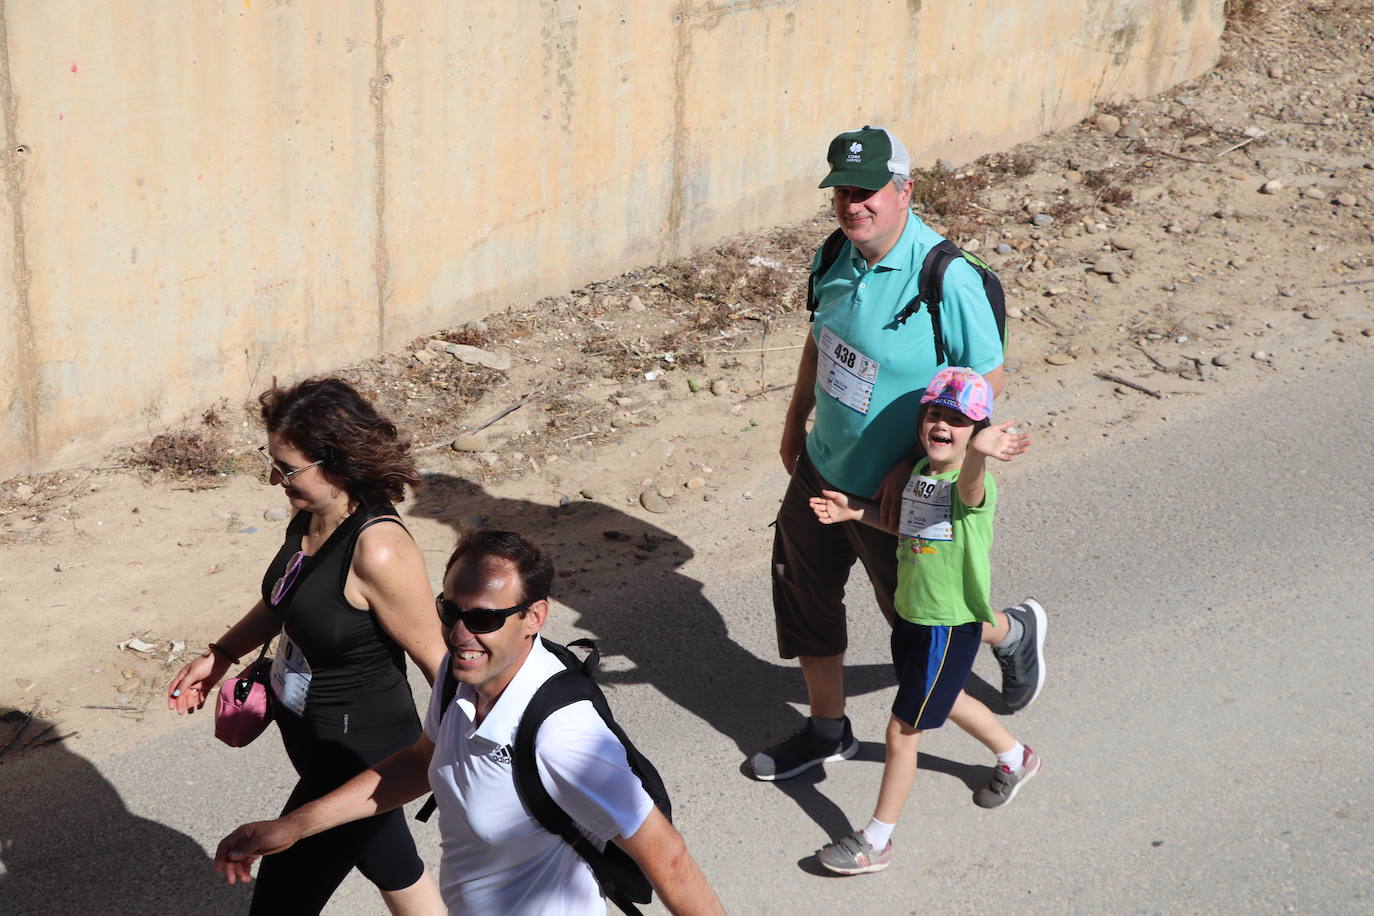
x,y
1203,727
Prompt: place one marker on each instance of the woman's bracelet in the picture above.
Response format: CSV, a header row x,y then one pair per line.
x,y
216,647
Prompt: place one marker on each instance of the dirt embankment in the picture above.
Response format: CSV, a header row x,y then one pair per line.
x,y
1164,251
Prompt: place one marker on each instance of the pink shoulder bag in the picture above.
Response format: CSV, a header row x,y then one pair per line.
x,y
244,707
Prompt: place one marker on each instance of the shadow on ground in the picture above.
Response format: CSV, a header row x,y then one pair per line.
x,y
622,577
69,845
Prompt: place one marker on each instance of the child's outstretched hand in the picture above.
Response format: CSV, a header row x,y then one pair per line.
x,y
1000,441
831,507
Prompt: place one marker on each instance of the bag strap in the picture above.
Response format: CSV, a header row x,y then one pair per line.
x,y
830,253
563,689
931,291
447,691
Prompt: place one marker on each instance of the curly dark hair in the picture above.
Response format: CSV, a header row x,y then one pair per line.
x,y
534,565
328,420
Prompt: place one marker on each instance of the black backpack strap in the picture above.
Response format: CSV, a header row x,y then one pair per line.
x,y
448,690
931,291
830,252
639,764
618,874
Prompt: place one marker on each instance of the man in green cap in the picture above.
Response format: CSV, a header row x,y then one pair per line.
x,y
862,373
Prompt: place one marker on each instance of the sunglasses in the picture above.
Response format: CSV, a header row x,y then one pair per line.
x,y
276,467
288,578
478,619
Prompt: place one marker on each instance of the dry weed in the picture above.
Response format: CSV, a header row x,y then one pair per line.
x,y
942,191
1115,195
192,451
1017,165
470,337
187,453
1243,13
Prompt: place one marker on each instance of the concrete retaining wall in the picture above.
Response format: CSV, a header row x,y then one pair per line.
x,y
199,196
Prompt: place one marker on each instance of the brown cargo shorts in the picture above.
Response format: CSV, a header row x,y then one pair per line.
x,y
811,565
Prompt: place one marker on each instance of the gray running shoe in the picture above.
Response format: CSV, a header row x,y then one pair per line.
x,y
852,855
1006,783
1023,667
801,752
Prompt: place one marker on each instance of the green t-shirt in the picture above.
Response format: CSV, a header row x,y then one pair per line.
x,y
943,573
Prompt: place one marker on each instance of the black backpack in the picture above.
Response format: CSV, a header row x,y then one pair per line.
x,y
620,877
931,287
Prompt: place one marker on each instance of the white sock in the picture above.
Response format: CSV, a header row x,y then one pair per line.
x,y
1013,758
878,834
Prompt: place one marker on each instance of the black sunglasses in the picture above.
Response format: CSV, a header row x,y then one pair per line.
x,y
478,619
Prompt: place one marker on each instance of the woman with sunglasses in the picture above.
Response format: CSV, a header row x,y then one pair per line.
x,y
349,594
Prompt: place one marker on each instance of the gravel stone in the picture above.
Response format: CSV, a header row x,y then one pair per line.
x,y
1107,124
651,500
1131,130
476,356
1107,264
469,444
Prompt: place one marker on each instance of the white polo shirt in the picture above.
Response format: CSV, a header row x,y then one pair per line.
x,y
496,857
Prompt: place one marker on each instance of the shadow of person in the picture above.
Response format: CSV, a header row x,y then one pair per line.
x,y
622,577
69,845
990,696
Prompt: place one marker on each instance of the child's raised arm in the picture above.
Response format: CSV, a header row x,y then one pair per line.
x,y
1000,441
832,506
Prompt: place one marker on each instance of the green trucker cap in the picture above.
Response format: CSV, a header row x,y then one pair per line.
x,y
866,158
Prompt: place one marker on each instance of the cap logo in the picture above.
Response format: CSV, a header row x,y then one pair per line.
x,y
855,149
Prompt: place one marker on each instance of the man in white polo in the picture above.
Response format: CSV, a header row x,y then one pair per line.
x,y
496,856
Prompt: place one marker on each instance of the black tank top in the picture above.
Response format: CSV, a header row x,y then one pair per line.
x,y
358,691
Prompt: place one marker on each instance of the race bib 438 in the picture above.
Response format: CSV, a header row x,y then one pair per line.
x,y
844,373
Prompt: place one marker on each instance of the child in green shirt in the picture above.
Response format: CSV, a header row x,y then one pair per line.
x,y
944,537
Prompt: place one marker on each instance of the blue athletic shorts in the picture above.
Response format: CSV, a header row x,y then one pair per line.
x,y
932,664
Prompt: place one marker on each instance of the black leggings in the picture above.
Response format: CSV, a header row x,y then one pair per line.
x,y
302,879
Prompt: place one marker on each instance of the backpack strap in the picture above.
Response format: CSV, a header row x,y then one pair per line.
x,y
447,691
931,291
619,875
830,253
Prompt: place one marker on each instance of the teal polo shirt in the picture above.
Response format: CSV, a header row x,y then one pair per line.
x,y
871,372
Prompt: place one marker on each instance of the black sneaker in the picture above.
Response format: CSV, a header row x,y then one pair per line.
x,y
1023,666
801,752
